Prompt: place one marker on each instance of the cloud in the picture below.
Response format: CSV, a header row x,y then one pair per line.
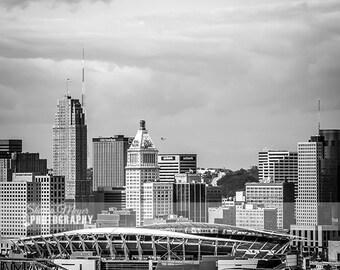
x,y
10,4
224,81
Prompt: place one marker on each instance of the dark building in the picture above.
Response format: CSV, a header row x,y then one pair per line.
x,y
7,147
214,196
171,164
109,161
330,172
109,197
29,162
190,201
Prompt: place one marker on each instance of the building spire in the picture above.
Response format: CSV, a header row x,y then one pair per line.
x,y
319,117
83,103
67,89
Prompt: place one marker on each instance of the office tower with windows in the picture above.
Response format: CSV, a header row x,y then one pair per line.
x,y
157,200
171,164
70,148
51,200
274,195
318,185
190,201
27,204
141,168
109,161
28,162
7,148
277,166
15,197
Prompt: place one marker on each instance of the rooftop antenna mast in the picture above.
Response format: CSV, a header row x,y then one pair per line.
x,y
83,102
319,117
67,90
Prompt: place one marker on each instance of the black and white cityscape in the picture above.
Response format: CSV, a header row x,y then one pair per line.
x,y
162,135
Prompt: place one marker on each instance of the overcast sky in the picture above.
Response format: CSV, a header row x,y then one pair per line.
x,y
220,78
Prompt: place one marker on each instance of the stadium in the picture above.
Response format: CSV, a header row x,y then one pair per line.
x,y
162,246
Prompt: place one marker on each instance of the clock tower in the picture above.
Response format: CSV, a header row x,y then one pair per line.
x,y
142,167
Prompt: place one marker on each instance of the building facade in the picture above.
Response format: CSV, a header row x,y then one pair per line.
x,y
277,166
141,168
7,148
28,203
190,201
257,218
157,200
70,148
171,164
109,161
317,211
28,162
274,195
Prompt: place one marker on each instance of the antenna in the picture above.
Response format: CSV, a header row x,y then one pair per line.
x,y
83,103
67,90
319,117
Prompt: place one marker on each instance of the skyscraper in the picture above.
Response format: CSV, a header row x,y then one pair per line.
x,y
141,168
318,191
70,148
109,161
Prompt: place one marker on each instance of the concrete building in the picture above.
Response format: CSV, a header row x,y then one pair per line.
x,y
274,195
255,217
28,203
277,166
109,161
70,148
15,197
116,218
171,164
157,200
141,168
52,196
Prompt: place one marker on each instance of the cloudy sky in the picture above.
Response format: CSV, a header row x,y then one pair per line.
x,y
220,78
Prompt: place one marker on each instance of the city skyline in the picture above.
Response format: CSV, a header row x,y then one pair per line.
x,y
223,79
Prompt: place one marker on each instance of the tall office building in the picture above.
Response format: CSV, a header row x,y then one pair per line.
x,y
7,148
318,186
330,170
277,166
141,168
171,164
308,210
109,161
70,148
